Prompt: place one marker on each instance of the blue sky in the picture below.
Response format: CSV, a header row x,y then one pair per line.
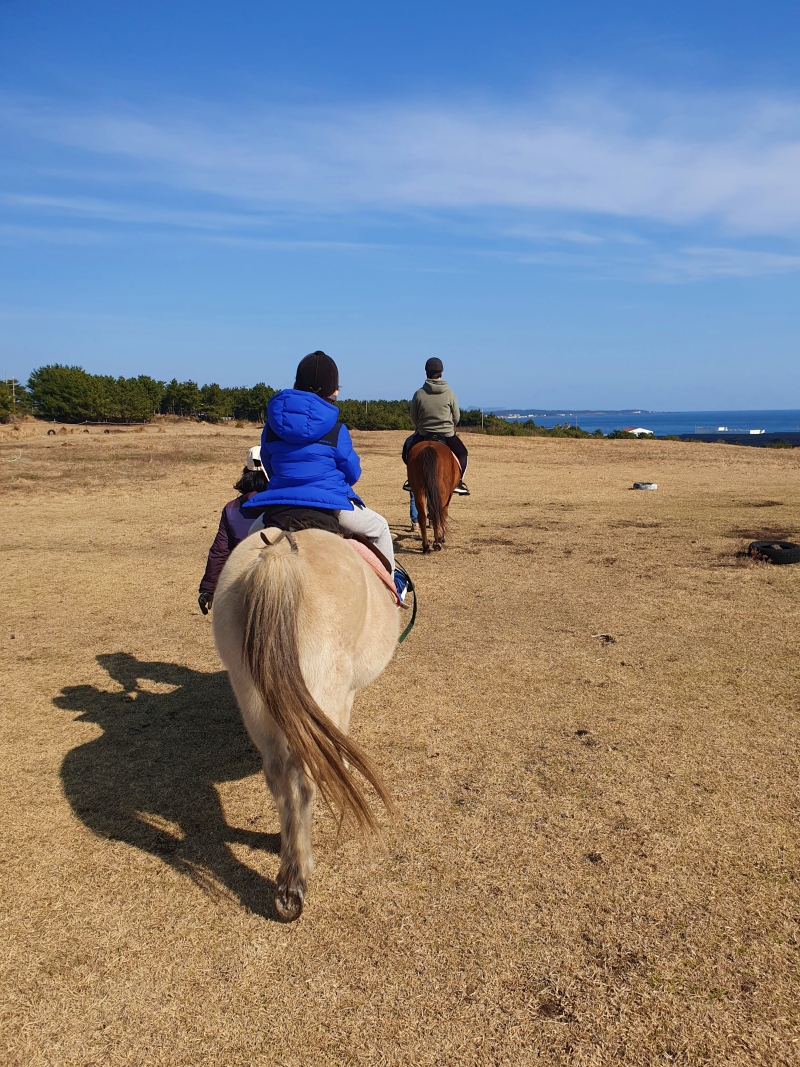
x,y
594,205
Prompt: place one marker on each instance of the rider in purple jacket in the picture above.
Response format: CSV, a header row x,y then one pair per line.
x,y
234,526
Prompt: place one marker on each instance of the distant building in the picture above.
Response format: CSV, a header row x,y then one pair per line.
x,y
637,431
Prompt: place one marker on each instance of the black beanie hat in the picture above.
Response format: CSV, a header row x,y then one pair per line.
x,y
434,366
317,373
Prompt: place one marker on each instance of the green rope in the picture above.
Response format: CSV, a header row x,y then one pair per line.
x,y
411,589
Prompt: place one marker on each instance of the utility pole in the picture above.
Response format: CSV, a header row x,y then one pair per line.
x,y
14,399
481,418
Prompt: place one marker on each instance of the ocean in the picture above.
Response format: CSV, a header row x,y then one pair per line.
x,y
661,423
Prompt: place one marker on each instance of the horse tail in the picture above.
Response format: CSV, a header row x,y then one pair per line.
x,y
273,595
433,497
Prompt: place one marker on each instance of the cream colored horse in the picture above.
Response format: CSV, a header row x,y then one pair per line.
x,y
301,623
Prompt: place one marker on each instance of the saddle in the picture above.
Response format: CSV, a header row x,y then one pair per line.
x,y
291,519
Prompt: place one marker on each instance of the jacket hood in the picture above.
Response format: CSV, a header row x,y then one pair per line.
x,y
435,385
296,416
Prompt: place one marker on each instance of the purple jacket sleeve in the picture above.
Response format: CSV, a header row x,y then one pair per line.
x,y
347,458
224,544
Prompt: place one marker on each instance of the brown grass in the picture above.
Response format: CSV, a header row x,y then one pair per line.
x,y
597,858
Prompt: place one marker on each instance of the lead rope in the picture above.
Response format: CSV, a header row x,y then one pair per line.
x,y
411,589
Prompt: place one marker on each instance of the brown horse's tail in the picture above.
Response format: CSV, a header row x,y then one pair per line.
x,y
273,593
433,496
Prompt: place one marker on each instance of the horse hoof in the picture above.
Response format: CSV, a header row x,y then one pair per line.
x,y
426,549
289,903
437,548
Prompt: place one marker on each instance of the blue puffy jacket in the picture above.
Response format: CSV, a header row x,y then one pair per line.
x,y
303,469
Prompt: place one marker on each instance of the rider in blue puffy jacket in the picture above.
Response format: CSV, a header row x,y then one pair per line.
x,y
309,457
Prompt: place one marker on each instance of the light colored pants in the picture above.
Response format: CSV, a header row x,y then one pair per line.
x,y
372,526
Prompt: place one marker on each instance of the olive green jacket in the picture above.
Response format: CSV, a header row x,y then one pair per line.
x,y
434,408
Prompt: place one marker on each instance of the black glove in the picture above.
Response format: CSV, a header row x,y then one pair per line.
x,y
205,601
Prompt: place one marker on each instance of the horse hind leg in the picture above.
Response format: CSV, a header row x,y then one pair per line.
x,y
294,793
438,537
423,524
441,538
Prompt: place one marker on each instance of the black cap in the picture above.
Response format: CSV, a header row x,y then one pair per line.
x,y
317,373
434,366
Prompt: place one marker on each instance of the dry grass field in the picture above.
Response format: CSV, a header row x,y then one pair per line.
x,y
596,857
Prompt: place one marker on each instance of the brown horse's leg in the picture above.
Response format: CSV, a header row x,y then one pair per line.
x,y
447,484
437,535
423,521
444,496
442,538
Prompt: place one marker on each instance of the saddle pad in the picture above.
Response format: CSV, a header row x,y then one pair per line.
x,y
375,564
369,558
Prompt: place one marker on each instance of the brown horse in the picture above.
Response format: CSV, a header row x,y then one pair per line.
x,y
433,474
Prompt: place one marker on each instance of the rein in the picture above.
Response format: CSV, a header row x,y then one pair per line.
x,y
410,626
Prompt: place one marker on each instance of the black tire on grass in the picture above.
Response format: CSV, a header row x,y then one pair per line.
x,y
776,551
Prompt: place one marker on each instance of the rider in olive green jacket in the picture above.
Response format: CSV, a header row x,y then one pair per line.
x,y
435,413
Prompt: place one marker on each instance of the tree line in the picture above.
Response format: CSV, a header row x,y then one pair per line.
x,y
70,394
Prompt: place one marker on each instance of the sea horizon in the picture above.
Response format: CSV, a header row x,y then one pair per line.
x,y
662,423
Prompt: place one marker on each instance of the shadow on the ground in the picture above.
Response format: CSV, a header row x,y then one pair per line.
x,y
405,542
148,780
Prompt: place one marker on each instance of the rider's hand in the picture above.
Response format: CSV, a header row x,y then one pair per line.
x,y
205,600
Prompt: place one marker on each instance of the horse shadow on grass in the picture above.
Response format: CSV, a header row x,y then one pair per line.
x,y
405,542
149,779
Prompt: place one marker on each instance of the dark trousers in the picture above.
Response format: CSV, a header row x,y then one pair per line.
x,y
454,443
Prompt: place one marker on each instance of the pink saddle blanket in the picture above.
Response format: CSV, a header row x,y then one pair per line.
x,y
372,561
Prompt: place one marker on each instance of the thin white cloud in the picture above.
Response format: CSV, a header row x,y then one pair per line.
x,y
694,264
11,234
670,160
543,233
637,185
134,214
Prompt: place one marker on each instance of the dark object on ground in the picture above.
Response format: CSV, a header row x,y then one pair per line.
x,y
760,440
645,485
775,551
49,432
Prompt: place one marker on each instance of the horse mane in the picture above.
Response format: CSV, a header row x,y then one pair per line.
x,y
273,592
